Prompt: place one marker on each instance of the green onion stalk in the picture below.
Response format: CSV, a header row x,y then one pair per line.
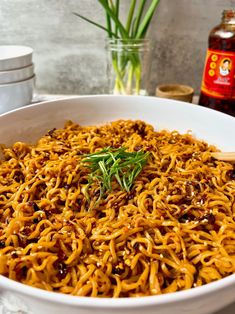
x,y
126,63
127,66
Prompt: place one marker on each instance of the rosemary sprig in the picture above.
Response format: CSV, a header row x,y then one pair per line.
x,y
110,164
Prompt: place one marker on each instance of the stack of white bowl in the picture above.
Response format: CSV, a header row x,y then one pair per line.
x,y
16,77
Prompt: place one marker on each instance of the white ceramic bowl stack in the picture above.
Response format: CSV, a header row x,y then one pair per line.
x,y
16,77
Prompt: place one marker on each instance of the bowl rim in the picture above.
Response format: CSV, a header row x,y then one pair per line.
x,y
20,50
29,79
10,71
132,302
16,75
118,303
76,97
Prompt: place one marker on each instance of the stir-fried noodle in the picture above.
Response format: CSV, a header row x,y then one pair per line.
x,y
174,229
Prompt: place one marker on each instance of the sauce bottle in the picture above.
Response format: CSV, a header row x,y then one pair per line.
x,y
218,83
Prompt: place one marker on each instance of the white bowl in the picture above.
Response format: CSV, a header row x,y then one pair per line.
x,y
28,123
16,75
15,57
15,95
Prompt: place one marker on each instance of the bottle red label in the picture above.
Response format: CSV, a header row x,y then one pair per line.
x,y
219,74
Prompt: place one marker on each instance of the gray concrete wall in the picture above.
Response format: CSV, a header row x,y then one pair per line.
x,y
69,54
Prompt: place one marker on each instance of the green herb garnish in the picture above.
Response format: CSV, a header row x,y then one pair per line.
x,y
110,164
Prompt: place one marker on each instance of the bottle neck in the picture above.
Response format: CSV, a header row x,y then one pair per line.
x,y
228,17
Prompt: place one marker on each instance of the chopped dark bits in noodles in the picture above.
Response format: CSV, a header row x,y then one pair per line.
x,y
171,229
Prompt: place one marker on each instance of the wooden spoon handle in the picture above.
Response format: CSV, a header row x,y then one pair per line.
x,y
230,156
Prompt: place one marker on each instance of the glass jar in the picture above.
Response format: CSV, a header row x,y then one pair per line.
x,y
218,83
128,66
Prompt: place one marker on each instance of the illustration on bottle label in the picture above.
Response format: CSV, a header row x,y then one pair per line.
x,y
219,74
